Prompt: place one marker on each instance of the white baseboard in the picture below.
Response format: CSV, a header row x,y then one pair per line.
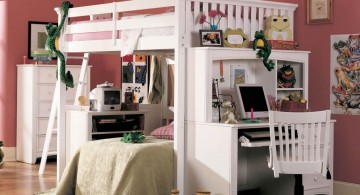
x,y
10,153
341,188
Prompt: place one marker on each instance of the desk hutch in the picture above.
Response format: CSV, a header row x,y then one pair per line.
x,y
216,160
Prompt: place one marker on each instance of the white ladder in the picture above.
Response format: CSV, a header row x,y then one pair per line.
x,y
61,149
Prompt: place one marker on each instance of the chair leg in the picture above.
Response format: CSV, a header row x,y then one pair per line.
x,y
299,188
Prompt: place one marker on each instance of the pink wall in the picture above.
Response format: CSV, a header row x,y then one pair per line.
x,y
15,22
316,38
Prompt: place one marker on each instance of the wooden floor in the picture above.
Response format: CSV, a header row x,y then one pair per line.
x,y
18,178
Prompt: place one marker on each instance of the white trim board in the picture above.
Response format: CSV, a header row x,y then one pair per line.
x,y
341,188
9,153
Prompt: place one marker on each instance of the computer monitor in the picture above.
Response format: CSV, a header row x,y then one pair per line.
x,y
252,101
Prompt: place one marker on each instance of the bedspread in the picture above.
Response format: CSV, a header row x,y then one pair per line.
x,y
113,167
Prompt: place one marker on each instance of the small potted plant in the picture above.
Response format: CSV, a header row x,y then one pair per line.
x,y
1,155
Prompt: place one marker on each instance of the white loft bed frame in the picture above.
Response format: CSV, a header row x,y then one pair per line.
x,y
185,23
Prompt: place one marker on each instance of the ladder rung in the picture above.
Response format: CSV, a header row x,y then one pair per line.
x,y
77,57
54,131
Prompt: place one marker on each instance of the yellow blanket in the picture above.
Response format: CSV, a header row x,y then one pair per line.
x,y
107,167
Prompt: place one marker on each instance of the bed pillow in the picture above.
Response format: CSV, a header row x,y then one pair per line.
x,y
164,132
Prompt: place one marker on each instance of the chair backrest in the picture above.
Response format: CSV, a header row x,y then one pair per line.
x,y
300,144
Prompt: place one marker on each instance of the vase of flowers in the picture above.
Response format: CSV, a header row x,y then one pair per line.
x,y
214,19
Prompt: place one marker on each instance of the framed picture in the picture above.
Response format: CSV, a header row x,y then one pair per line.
x,y
211,38
319,11
237,75
37,38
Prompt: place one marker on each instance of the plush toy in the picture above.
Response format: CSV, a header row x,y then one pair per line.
x,y
264,49
133,137
278,28
286,77
1,155
235,38
295,96
53,33
228,117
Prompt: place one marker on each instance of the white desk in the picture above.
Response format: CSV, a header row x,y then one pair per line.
x,y
216,162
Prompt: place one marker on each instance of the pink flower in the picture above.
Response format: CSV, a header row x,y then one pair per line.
x,y
221,14
213,13
202,19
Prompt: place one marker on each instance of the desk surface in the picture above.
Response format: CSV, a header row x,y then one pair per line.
x,y
241,125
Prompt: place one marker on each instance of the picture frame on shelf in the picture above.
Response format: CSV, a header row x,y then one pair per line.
x,y
211,38
37,38
319,11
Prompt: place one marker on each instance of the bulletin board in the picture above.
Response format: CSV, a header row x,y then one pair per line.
x,y
135,77
345,74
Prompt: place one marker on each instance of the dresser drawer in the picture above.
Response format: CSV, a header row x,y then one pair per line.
x,y
46,92
318,191
311,181
75,71
44,109
48,74
41,141
43,124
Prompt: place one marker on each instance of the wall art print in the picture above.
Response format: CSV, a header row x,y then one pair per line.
x,y
135,76
345,74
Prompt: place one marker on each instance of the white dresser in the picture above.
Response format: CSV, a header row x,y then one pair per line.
x,y
35,91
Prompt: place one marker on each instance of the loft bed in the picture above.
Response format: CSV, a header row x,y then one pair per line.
x,y
178,19
103,28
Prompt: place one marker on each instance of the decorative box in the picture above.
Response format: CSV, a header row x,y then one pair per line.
x,y
281,45
292,106
130,106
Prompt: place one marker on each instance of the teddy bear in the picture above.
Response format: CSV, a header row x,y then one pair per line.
x,y
278,28
228,117
235,38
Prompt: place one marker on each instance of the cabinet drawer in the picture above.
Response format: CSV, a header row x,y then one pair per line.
x,y
311,181
75,71
318,191
46,92
44,109
48,74
41,141
43,124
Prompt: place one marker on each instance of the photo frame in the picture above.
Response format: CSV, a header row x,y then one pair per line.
x,y
319,11
211,38
37,38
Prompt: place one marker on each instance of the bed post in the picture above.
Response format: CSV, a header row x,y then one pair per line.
x,y
179,103
61,104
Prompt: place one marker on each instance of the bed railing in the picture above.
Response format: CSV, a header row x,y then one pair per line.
x,y
116,19
249,15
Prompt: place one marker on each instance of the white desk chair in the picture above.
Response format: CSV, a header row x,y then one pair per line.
x,y
303,144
